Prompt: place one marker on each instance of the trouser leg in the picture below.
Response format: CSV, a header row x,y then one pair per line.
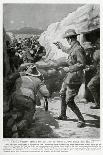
x,y
26,106
94,87
63,106
63,100
71,104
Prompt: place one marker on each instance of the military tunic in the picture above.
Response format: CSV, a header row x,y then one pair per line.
x,y
76,63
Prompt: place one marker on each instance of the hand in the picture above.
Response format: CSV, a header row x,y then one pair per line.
x,y
66,69
92,67
87,68
58,44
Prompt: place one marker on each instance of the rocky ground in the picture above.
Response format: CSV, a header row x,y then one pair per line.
x,y
46,124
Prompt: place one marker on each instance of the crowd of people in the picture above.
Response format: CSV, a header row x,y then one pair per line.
x,y
26,50
28,83
22,87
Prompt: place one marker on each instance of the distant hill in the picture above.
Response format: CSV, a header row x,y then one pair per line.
x,y
27,30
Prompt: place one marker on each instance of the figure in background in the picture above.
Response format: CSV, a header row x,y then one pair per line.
x,y
40,53
89,50
11,54
94,84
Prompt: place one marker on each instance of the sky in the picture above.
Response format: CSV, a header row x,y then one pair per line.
x,y
16,16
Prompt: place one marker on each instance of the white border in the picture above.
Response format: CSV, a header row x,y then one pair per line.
x,y
1,59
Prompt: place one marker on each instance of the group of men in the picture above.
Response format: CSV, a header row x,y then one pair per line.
x,y
30,82
24,51
79,59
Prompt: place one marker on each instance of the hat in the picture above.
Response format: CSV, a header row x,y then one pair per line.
x,y
70,32
32,70
87,45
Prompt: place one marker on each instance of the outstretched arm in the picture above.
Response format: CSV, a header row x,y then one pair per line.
x,y
63,48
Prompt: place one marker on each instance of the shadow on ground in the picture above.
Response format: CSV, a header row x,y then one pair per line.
x,y
90,123
93,123
43,125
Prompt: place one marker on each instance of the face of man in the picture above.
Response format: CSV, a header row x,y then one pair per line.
x,y
69,40
44,52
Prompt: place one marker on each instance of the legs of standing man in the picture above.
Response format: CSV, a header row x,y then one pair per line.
x,y
67,98
63,103
72,105
94,87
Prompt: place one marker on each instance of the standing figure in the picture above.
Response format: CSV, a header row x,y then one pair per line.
x,y
94,84
74,77
89,50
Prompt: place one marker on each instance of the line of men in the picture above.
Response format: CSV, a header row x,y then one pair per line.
x,y
30,82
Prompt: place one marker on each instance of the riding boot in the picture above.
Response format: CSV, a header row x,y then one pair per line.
x,y
63,109
96,100
76,110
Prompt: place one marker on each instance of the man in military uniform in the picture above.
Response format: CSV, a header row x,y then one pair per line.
x,y
89,50
23,99
73,79
94,84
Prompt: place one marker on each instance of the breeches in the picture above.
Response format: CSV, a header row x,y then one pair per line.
x,y
69,91
24,105
94,83
94,87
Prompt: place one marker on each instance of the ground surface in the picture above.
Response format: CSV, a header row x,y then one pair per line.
x,y
47,125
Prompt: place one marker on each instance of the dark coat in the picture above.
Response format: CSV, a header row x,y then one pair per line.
x,y
96,59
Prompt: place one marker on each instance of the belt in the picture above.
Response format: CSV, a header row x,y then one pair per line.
x,y
27,97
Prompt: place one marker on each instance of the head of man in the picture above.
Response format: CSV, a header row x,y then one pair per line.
x,y
32,71
89,49
70,35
